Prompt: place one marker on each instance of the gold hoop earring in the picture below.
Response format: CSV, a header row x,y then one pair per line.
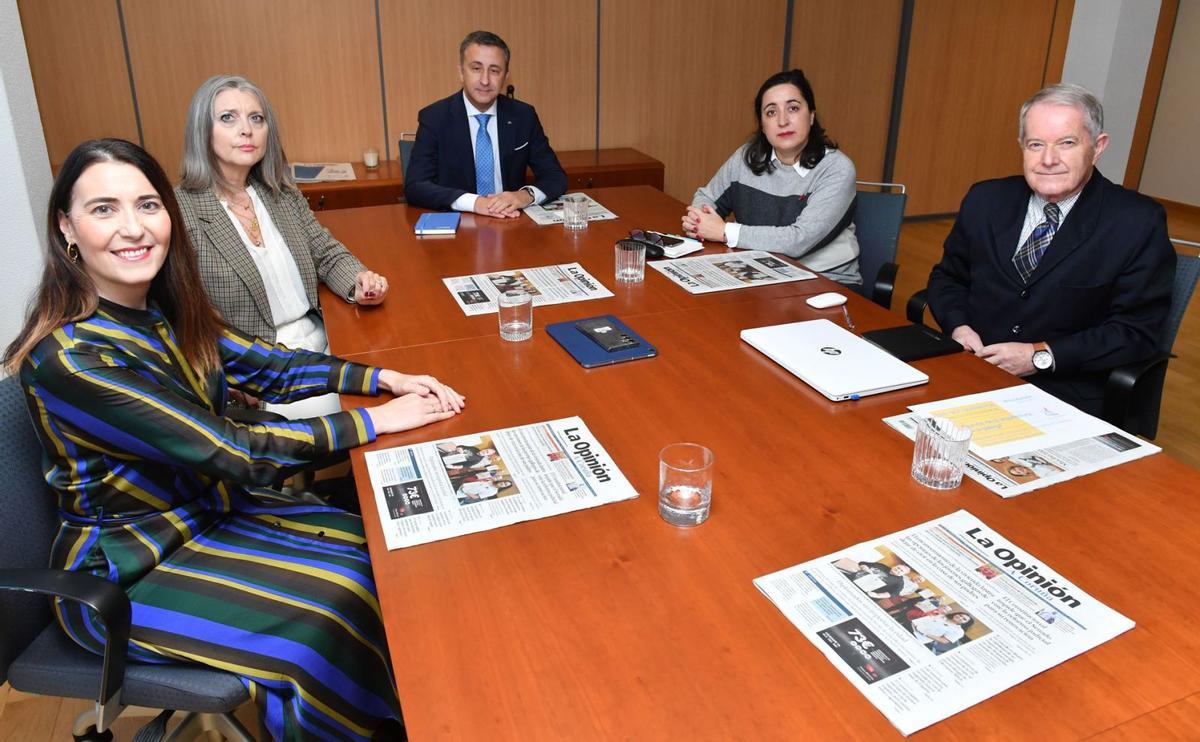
x,y
73,252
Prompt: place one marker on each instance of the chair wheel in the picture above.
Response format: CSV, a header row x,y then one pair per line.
x,y
91,735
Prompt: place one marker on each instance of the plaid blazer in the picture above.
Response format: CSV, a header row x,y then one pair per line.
x,y
230,276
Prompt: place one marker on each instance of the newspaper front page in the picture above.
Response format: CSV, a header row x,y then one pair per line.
x,y
931,620
551,284
705,274
1023,438
441,489
551,212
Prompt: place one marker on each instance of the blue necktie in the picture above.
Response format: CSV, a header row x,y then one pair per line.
x,y
1027,257
485,169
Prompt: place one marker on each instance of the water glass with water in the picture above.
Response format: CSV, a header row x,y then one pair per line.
x,y
516,315
685,478
575,211
939,453
631,261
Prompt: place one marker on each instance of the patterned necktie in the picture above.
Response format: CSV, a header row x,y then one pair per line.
x,y
485,169
1027,257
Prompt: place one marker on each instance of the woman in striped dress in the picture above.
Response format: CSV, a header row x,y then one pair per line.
x,y
127,370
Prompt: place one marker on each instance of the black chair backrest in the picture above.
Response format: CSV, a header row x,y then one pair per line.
x,y
1187,271
877,226
28,522
405,147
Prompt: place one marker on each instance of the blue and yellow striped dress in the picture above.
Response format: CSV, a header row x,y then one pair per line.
x,y
161,494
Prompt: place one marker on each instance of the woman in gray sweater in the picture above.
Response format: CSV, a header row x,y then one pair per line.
x,y
789,188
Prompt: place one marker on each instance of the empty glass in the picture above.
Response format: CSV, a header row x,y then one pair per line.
x,y
631,261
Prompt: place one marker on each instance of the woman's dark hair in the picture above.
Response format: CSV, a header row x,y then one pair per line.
x,y
66,292
963,626
758,153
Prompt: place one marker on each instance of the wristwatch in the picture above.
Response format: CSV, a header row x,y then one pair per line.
x,y
532,194
1043,359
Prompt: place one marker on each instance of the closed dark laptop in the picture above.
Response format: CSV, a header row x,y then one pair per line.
x,y
913,342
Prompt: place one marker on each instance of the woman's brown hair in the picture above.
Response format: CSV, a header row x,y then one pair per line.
x,y
67,294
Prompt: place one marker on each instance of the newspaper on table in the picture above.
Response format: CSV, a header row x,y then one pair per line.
x,y
550,284
551,212
1024,438
441,489
705,274
319,172
932,620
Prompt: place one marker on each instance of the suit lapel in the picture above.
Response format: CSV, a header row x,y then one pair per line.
x,y
1075,229
461,130
1009,217
224,237
507,134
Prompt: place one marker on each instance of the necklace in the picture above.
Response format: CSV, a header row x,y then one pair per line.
x,y
246,215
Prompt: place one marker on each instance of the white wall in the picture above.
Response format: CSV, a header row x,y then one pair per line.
x,y
1108,52
24,177
1173,160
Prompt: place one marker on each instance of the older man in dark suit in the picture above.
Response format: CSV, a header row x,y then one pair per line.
x,y
1061,275
473,147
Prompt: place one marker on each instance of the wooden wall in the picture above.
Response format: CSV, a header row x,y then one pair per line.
x,y
673,78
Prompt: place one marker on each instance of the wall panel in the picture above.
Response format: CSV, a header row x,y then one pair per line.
x,y
317,61
553,63
79,72
678,82
970,67
848,53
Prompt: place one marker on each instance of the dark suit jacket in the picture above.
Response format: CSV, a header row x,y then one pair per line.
x,y
1099,296
442,166
230,275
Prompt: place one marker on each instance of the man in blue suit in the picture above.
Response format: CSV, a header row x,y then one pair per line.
x,y
473,147
1060,275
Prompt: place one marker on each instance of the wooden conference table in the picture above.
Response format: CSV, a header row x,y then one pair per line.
x,y
610,624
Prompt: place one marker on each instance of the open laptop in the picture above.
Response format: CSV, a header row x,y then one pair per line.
x,y
832,360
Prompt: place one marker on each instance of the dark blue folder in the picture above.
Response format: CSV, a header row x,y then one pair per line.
x,y
589,353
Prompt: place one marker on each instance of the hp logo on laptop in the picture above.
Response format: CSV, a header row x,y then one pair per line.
x,y
831,351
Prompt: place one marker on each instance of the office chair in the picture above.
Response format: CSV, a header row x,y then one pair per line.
x,y
877,218
1133,395
405,148
35,654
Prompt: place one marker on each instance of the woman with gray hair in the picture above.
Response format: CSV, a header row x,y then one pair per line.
x,y
261,250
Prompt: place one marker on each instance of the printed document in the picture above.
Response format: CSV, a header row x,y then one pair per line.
x,y
441,489
934,619
551,284
1024,439
705,274
551,212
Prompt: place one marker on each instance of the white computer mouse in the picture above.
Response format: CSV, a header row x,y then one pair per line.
x,y
826,300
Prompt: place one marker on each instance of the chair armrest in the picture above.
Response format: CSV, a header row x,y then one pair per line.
x,y
108,600
885,284
915,311
1122,385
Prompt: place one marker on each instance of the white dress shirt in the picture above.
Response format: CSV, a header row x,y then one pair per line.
x,y
466,202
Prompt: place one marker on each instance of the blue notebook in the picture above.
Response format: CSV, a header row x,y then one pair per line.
x,y
588,352
438,222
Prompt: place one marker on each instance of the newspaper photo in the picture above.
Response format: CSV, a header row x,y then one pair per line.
x,y
1023,438
441,489
551,212
551,284
932,620
705,274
